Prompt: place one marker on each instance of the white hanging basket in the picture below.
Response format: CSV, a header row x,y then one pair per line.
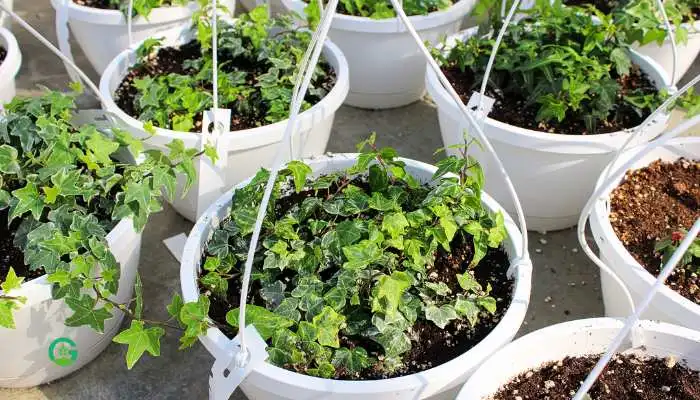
x,y
663,54
271,382
40,321
386,66
553,174
248,150
667,305
10,66
579,338
102,34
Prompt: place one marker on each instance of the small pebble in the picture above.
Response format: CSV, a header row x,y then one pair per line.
x,y
543,241
670,361
549,384
548,299
574,250
538,251
665,389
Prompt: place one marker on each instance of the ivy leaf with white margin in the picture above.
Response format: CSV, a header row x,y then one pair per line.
x,y
441,316
139,341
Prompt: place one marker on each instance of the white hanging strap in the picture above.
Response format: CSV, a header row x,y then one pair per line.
x,y
672,37
492,57
129,18
227,376
633,319
63,36
523,260
320,37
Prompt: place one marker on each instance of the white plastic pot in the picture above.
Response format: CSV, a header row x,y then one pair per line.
x,y
271,382
102,34
386,66
579,338
553,174
10,66
248,150
663,54
667,305
26,349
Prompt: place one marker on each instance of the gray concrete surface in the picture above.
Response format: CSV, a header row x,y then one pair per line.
x,y
565,284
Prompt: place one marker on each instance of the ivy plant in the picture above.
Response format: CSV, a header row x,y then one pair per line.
x,y
257,70
668,245
562,65
377,9
64,187
349,258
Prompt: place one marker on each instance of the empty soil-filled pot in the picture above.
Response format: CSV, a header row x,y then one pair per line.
x,y
638,225
167,86
551,363
553,145
374,283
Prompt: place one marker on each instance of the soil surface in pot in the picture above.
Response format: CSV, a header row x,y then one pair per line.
x,y
650,204
511,108
11,256
627,377
172,60
3,54
431,346
104,4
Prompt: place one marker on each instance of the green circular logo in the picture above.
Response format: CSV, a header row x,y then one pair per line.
x,y
63,352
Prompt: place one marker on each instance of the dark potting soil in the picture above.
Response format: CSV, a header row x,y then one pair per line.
x,y
627,377
103,4
3,54
11,256
171,60
431,346
511,108
651,203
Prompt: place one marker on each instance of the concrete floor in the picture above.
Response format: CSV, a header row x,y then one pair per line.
x,y
565,283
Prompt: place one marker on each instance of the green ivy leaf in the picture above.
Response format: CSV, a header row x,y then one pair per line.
x,y
386,294
395,224
27,200
468,283
324,370
468,309
488,303
139,340
265,321
85,313
329,323
394,342
8,160
12,281
299,172
354,360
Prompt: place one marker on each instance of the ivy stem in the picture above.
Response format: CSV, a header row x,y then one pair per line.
x,y
131,314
